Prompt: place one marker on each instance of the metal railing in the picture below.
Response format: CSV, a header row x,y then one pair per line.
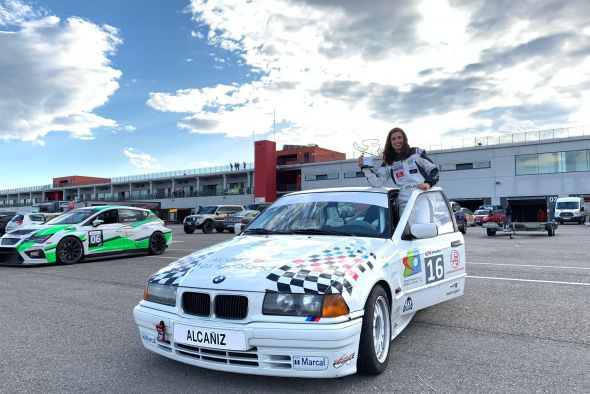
x,y
183,173
25,189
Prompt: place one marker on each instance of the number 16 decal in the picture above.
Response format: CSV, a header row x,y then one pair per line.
x,y
435,268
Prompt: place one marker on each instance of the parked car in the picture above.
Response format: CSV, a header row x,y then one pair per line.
x,y
209,218
24,219
86,232
318,285
485,216
258,206
469,217
244,217
459,216
5,217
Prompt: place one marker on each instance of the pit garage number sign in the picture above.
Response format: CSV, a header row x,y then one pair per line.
x,y
95,238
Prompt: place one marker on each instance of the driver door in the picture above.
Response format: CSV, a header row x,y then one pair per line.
x,y
105,237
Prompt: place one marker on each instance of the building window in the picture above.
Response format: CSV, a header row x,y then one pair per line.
x,y
526,165
357,174
575,161
548,163
465,166
322,177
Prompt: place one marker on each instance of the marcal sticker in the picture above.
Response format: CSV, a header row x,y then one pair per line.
x,y
303,363
346,359
408,305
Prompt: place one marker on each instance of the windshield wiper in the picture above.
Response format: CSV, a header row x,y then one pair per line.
x,y
319,231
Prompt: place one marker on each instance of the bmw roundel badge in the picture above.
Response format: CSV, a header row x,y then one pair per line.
x,y
218,279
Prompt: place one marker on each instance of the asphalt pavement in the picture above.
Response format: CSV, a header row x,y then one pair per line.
x,y
523,325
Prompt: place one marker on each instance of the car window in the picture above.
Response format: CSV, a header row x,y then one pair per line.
x,y
482,212
17,218
131,215
110,216
432,208
73,217
37,218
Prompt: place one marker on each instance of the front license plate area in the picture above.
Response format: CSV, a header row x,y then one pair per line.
x,y
211,338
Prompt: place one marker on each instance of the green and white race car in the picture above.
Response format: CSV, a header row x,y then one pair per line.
x,y
86,232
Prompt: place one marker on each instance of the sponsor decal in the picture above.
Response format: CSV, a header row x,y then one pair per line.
x,y
456,262
314,319
218,279
303,363
345,359
149,338
408,305
455,259
95,238
161,328
412,266
453,289
413,171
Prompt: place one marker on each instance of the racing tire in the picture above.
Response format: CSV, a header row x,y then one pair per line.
x,y
157,243
188,230
491,232
69,251
208,227
375,334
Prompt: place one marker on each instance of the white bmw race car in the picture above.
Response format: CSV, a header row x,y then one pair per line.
x,y
316,286
86,232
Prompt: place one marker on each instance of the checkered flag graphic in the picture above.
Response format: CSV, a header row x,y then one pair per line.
x,y
171,274
331,272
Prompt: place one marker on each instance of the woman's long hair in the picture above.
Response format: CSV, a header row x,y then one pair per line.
x,y
389,155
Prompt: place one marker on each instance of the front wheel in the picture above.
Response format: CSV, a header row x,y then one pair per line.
x,y
69,251
208,227
157,243
188,230
491,232
219,229
375,334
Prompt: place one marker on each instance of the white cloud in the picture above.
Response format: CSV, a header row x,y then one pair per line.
x,y
140,160
341,71
54,75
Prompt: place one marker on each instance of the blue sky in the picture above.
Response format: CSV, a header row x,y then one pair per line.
x,y
112,88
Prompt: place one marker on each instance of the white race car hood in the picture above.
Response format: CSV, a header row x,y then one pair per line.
x,y
298,264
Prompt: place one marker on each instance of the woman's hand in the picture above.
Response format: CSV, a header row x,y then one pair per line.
x,y
424,186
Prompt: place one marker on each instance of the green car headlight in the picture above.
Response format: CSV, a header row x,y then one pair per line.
x,y
39,239
162,294
288,304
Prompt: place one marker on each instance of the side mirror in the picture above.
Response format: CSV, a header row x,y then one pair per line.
x,y
238,228
424,230
97,223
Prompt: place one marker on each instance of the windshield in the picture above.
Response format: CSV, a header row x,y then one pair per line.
x,y
567,205
482,212
73,217
206,210
344,213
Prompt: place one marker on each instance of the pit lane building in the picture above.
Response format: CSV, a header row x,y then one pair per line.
x,y
527,170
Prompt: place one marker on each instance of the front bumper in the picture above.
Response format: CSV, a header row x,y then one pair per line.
x,y
275,349
10,256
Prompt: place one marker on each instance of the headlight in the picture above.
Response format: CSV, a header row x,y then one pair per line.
x,y
287,304
162,294
38,238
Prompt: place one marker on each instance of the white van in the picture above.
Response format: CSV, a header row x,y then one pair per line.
x,y
570,209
